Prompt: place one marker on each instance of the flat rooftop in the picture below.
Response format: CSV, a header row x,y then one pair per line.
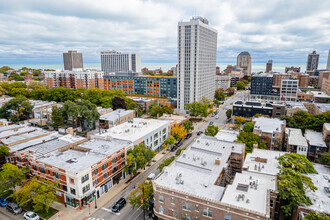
x,y
227,135
134,130
9,127
319,94
262,161
114,115
327,126
249,191
268,125
177,118
25,136
295,137
321,197
199,161
315,138
76,161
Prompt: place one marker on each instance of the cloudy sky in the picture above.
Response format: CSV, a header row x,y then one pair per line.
x,y
38,31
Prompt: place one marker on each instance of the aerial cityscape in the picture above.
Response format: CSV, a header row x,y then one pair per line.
x,y
135,110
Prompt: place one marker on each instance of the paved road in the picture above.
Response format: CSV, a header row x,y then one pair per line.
x,y
5,215
136,214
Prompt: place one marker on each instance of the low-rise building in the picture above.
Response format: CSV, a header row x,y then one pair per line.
x,y
295,142
320,97
151,132
251,108
227,135
305,96
144,103
115,118
270,130
222,82
316,145
326,134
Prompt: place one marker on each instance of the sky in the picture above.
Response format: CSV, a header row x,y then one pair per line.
x,y
39,31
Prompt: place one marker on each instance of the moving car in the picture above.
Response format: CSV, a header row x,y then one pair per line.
x,y
211,123
119,205
199,132
31,216
151,176
3,202
216,117
14,208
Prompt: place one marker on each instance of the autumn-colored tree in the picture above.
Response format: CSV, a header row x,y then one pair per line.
x,y
142,195
179,132
11,176
239,120
169,142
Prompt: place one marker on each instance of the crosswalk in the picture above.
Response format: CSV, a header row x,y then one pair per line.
x,y
90,218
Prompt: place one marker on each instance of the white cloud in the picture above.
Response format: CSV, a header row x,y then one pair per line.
x,y
39,31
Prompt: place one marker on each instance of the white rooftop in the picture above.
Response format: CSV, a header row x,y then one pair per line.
x,y
199,161
133,131
76,161
252,161
320,94
227,135
17,131
249,191
321,197
114,115
323,106
327,126
295,137
21,137
268,125
315,138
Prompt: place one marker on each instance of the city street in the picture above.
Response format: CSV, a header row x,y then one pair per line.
x,y
105,212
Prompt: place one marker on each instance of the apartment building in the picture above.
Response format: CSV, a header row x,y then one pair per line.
x,y
222,82
249,109
244,62
151,132
236,76
161,86
114,61
295,142
73,60
115,118
289,89
312,61
269,66
316,145
197,49
74,79
270,130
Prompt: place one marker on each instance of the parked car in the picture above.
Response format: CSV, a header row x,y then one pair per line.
x,y
211,123
119,205
31,216
179,144
217,117
199,132
188,136
14,208
151,176
3,202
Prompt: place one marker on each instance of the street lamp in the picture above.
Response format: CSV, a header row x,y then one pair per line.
x,y
95,200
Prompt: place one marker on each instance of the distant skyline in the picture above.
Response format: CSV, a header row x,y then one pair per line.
x,y
38,31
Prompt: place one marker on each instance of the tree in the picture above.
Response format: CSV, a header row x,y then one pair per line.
x,y
249,139
197,109
17,109
149,154
325,158
240,85
156,111
179,132
188,125
248,127
229,113
40,192
130,162
230,91
261,115
207,101
296,162
4,151
167,110
219,95
57,117
211,130
239,120
11,176
118,102
36,86
169,141
165,163
316,216
142,195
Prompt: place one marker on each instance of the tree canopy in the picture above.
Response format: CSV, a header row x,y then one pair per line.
x,y
297,162
188,125
219,95
142,195
17,109
179,132
248,138
197,109
240,85
11,176
211,130
229,112
316,216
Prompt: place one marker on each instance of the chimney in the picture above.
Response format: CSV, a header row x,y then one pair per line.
x,y
43,141
255,146
217,161
70,131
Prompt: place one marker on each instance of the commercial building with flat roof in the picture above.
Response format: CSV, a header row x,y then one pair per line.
x,y
114,61
73,60
115,118
151,132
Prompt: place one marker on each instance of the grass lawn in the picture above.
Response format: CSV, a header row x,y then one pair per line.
x,y
43,214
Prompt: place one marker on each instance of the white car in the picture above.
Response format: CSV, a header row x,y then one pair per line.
x,y
31,216
216,117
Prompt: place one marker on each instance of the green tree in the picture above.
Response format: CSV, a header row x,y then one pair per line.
x,y
249,139
248,127
239,120
197,109
325,158
211,130
17,109
4,151
130,163
229,112
167,110
188,125
316,216
57,117
156,111
40,192
165,163
219,95
11,176
142,195
296,162
169,141
240,85
36,85
149,154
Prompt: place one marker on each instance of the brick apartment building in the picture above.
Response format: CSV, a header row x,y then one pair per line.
x,y
74,79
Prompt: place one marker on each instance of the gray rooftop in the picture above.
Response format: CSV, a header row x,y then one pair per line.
x,y
295,137
315,138
114,115
21,137
244,53
268,125
227,135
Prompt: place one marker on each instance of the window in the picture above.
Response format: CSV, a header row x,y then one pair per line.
x,y
186,206
122,155
104,166
84,178
65,188
161,199
161,209
185,216
175,214
94,172
34,167
114,169
122,164
56,175
96,181
42,170
196,208
71,180
227,217
172,200
207,212
114,160
19,159
85,188
105,175
73,191
271,203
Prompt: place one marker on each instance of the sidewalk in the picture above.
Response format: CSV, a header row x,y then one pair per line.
x,y
69,213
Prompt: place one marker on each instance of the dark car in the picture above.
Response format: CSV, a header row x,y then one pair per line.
x,y
199,132
188,136
14,208
211,123
179,144
174,148
119,205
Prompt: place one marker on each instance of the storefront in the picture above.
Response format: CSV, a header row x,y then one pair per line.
x,y
69,200
88,198
105,187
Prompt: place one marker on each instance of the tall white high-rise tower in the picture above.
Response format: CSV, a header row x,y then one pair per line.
x,y
197,49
